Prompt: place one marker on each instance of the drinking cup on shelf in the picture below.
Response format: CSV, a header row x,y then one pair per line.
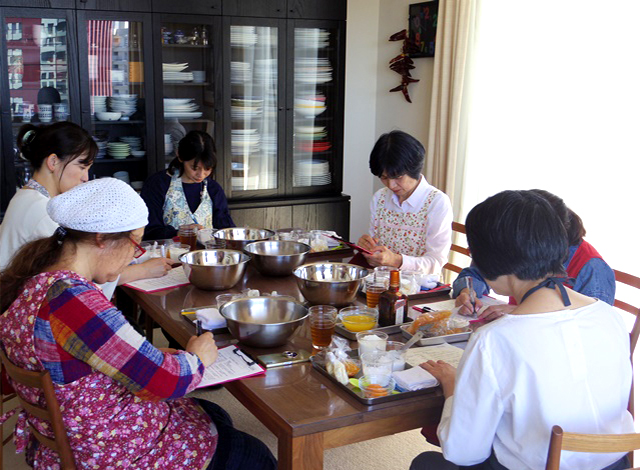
x,y
370,341
323,322
45,112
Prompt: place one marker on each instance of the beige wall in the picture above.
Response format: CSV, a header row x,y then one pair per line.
x,y
370,110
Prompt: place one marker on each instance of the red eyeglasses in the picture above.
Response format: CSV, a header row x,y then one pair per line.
x,y
138,251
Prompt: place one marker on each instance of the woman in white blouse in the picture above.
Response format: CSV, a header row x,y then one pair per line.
x,y
410,220
558,358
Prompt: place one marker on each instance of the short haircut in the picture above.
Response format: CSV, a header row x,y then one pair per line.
x,y
572,221
397,154
194,148
517,232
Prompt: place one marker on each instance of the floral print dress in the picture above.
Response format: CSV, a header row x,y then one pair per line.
x,y
109,425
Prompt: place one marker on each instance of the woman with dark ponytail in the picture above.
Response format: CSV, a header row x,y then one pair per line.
x,y
186,193
60,155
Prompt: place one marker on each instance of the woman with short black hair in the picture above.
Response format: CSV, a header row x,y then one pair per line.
x,y
410,224
559,358
186,193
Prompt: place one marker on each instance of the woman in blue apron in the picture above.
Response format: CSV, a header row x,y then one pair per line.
x,y
559,358
185,193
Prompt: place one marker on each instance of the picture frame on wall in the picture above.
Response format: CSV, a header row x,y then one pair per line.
x,y
423,23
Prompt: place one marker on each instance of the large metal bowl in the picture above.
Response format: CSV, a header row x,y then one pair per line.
x,y
330,283
236,238
263,322
277,257
205,268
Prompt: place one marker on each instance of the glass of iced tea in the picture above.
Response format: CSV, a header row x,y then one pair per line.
x,y
323,322
188,235
374,287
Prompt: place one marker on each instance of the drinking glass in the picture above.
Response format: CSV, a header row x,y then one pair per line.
x,y
188,235
395,353
370,341
373,288
224,298
323,322
377,363
175,250
383,272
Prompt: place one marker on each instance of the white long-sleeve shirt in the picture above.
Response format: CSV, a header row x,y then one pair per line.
x,y
522,374
433,237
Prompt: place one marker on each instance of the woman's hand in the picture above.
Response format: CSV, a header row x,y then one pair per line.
x,y
204,347
196,226
464,302
444,372
383,256
493,312
367,242
155,267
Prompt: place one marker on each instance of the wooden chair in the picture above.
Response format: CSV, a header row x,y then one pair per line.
x,y
458,230
42,381
593,443
6,394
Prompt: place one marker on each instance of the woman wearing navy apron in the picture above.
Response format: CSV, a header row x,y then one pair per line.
x,y
185,193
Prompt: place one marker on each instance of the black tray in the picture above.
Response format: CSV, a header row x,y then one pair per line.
x,y
357,393
423,294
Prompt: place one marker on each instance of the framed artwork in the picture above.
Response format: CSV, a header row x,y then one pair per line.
x,y
423,22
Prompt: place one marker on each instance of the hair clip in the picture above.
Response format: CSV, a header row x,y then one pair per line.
x,y
28,137
60,233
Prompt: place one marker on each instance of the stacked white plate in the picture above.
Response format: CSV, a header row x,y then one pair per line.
x,y
168,144
173,67
177,77
311,173
118,150
245,112
266,70
243,35
135,143
313,70
244,141
311,132
125,104
181,108
270,144
98,104
312,38
240,72
310,106
102,147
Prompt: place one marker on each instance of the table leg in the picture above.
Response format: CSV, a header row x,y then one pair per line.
x,y
301,453
148,326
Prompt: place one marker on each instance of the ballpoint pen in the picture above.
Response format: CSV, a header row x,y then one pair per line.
x,y
423,309
198,327
472,293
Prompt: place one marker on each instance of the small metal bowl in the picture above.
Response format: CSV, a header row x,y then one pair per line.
x,y
236,238
277,257
263,322
205,268
330,283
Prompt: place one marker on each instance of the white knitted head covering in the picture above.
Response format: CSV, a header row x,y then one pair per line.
x,y
105,205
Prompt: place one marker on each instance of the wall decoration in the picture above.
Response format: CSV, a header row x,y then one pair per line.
x,y
403,64
423,22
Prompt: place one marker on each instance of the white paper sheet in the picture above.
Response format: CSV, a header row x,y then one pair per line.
x,y
230,365
441,352
174,278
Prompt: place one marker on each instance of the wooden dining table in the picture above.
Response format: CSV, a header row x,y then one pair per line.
x,y
307,411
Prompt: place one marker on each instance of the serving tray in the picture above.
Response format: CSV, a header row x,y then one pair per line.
x,y
390,330
358,394
440,289
454,338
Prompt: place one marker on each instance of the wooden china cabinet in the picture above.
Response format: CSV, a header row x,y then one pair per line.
x,y
264,77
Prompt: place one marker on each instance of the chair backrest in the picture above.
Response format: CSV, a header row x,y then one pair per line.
x,y
42,381
592,443
456,248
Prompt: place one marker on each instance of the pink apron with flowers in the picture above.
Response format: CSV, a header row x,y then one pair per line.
x,y
403,233
108,427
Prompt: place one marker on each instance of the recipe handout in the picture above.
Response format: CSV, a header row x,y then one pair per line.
x,y
174,278
232,364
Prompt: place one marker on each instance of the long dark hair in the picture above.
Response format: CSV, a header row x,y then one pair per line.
x,y
65,139
195,147
36,256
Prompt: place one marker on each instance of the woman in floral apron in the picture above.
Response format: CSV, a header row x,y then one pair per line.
x,y
410,220
185,193
122,399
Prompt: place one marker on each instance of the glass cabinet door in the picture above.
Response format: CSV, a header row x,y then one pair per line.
x,y
255,79
38,67
316,110
188,82
116,112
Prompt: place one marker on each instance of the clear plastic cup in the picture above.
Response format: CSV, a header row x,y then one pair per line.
x,y
377,363
370,341
397,356
383,272
222,299
175,250
322,319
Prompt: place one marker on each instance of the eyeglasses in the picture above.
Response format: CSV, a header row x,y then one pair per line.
x,y
138,251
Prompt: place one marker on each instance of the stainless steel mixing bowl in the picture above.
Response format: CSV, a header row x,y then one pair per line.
x,y
277,257
236,238
206,269
263,322
330,283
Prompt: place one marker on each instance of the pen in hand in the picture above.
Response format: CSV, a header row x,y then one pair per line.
x,y
472,293
198,327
